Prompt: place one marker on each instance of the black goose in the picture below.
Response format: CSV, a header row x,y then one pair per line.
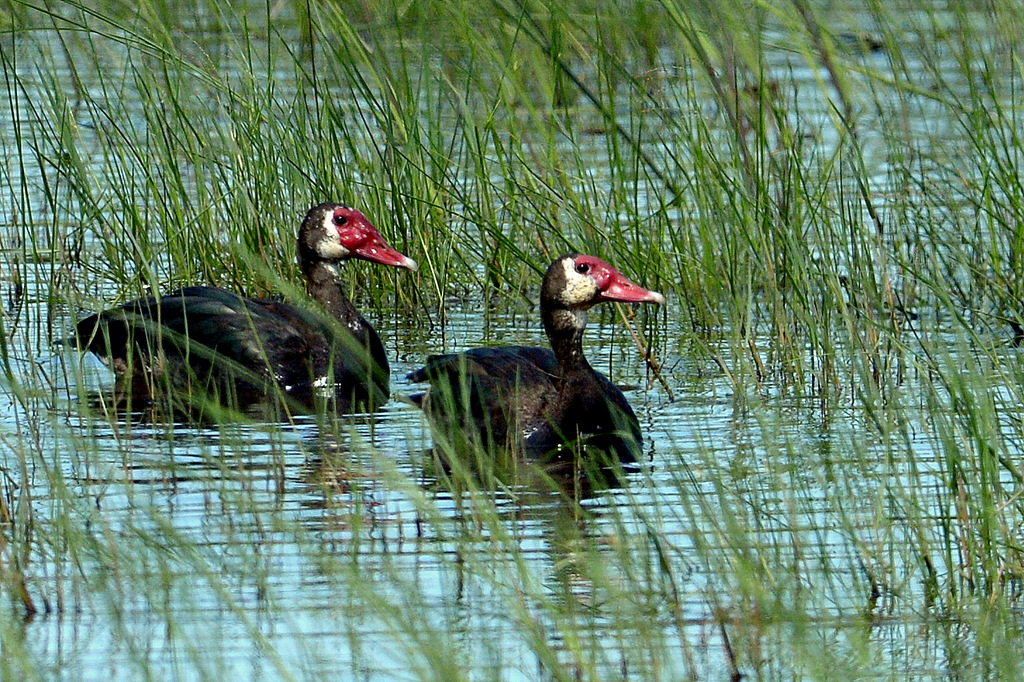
x,y
534,398
243,347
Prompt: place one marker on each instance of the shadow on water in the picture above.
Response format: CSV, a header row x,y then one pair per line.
x,y
575,475
197,405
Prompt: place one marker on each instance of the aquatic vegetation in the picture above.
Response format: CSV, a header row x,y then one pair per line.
x,y
829,198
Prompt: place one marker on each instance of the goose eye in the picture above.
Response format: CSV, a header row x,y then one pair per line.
x,y
339,219
582,268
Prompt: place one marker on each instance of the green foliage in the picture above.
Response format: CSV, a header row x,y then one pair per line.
x,y
829,194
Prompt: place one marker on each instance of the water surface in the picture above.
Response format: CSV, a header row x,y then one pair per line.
x,y
327,548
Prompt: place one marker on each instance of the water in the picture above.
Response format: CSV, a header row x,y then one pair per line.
x,y
269,551
328,550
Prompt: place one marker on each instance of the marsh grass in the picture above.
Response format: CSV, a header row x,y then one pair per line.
x,y
831,200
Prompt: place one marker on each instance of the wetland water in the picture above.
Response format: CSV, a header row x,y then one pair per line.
x,y
321,549
276,552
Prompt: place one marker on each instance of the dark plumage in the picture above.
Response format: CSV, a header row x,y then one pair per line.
x,y
534,398
242,348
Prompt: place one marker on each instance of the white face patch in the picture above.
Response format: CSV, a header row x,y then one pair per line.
x,y
579,289
328,246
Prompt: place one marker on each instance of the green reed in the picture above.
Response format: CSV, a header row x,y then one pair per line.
x,y
485,139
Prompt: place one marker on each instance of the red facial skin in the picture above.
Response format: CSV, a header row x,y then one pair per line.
x,y
613,285
364,241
